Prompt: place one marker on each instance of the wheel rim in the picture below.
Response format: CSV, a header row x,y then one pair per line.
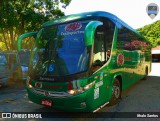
x,y
116,91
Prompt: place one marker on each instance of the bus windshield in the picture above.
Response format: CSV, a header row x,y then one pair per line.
x,y
60,50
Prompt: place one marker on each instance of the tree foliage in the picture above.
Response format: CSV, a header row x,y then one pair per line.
x,y
152,33
20,16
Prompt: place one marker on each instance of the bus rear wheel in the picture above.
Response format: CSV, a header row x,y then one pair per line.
x,y
146,74
116,92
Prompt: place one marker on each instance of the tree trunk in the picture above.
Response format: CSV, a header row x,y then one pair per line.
x,y
5,40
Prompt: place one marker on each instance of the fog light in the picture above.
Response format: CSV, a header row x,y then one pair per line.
x,y
83,105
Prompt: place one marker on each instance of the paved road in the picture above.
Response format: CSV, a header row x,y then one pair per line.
x,y
144,96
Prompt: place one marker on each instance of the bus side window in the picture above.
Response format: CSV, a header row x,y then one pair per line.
x,y
124,39
99,47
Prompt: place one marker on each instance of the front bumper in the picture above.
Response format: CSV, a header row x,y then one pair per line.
x,y
77,103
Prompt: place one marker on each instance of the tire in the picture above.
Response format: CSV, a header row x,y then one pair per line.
x,y
116,93
146,73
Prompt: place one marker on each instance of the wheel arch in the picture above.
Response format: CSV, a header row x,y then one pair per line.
x,y
114,100
119,77
146,69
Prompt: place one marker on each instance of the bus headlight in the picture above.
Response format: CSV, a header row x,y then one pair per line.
x,y
28,82
81,89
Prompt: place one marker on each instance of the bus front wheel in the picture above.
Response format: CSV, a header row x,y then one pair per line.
x,y
116,92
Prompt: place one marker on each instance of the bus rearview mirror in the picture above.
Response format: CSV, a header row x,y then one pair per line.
x,y
89,32
23,36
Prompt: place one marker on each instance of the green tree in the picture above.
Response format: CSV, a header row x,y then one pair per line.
x,y
152,33
20,16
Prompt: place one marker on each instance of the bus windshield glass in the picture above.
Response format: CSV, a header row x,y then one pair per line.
x,y
60,50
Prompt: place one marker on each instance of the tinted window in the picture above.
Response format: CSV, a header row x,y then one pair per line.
x,y
124,39
61,50
129,40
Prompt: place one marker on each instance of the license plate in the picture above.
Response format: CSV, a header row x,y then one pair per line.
x,y
47,102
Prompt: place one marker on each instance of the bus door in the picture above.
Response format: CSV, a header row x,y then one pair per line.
x,y
99,59
102,46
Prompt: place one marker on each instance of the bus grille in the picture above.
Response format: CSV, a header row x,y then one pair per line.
x,y
51,93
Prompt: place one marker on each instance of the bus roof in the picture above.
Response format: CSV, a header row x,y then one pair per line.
x,y
73,17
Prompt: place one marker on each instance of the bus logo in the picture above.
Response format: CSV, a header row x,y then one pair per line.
x,y
73,26
38,85
46,93
152,10
120,59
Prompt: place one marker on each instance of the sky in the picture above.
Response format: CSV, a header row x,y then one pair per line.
x,y
133,12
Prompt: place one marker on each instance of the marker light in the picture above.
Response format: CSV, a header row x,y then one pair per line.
x,y
81,89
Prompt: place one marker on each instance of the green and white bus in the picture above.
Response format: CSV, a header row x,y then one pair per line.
x,y
84,61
